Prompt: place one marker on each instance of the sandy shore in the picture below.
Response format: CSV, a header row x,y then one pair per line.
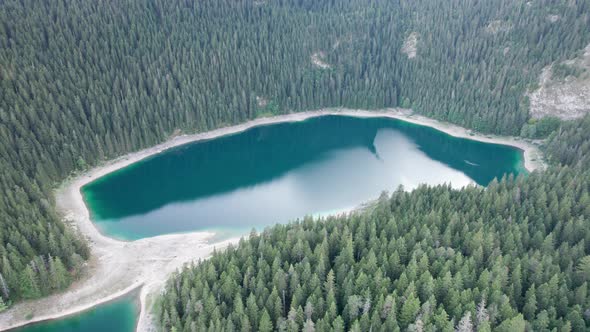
x,y
118,267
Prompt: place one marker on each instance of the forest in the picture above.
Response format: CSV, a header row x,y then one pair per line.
x,y
86,81
513,256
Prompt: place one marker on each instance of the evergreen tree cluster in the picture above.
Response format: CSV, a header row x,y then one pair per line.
x,y
512,256
85,81
570,144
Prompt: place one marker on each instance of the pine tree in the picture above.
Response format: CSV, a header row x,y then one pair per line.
x,y
515,324
409,310
309,326
530,307
265,322
28,284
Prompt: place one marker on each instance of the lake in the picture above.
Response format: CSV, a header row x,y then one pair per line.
x,y
119,315
280,172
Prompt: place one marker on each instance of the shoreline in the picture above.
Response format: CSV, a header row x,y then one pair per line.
x,y
118,267
532,156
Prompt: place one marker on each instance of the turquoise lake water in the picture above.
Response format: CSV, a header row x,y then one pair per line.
x,y
119,315
276,173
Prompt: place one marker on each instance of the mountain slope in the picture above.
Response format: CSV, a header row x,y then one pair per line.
x,y
85,81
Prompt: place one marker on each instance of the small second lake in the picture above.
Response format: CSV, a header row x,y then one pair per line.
x,y
119,315
281,172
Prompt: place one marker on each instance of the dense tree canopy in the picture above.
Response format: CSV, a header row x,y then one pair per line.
x,y
504,257
84,81
570,145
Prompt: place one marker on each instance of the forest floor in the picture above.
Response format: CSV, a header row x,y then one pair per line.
x,y
118,267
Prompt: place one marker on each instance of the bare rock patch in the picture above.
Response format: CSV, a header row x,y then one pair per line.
x,y
410,46
553,18
564,89
261,101
318,60
498,26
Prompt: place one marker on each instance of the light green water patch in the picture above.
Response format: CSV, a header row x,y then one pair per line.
x,y
276,173
119,315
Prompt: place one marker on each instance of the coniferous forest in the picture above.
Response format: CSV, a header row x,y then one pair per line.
x,y
86,81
